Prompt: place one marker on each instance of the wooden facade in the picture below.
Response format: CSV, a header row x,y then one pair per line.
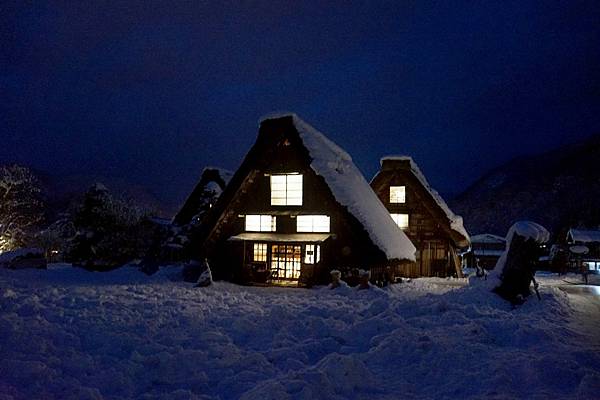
x,y
426,222
276,252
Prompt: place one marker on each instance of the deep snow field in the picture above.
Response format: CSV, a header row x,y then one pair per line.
x,y
70,334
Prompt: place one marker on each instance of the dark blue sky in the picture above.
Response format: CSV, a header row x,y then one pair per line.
x,y
153,93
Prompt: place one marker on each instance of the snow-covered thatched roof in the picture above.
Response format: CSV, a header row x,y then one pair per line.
x,y
584,236
351,190
456,221
487,238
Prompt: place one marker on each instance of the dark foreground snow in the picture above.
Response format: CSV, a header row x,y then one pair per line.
x,y
69,334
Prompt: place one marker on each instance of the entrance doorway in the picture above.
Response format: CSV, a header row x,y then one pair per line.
x,y
286,261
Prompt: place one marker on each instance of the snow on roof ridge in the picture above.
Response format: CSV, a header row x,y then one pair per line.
x,y
395,157
337,150
585,235
487,237
223,173
456,221
350,189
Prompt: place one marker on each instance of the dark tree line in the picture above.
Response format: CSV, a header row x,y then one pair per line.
x,y
98,231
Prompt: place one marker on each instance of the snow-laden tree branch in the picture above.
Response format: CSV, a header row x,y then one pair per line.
x,y
21,208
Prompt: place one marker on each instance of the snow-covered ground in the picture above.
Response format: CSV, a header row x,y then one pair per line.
x,y
70,334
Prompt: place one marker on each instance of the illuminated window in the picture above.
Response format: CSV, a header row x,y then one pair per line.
x,y
397,194
286,190
312,223
260,252
401,220
312,254
261,223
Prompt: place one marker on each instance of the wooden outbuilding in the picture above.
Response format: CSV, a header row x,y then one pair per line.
x,y
297,208
590,260
485,249
423,215
208,189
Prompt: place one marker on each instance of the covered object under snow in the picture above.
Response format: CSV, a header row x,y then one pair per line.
x,y
296,181
424,216
517,266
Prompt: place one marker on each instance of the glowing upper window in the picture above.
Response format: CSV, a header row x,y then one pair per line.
x,y
397,194
312,223
401,220
261,223
286,190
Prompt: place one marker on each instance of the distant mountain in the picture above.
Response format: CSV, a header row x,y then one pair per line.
x,y
558,189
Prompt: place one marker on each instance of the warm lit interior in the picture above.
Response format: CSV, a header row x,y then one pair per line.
x,y
401,220
312,223
286,190
397,194
261,223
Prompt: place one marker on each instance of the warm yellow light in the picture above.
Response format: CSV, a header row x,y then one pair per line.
x,y
397,194
401,220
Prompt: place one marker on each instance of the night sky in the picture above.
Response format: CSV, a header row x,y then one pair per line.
x,y
152,93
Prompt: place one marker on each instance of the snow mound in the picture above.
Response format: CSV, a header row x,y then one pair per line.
x,y
350,189
529,230
456,221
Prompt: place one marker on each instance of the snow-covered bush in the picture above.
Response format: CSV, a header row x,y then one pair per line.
x,y
110,231
21,208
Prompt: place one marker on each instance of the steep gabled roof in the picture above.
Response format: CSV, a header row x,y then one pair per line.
x,y
456,221
351,190
213,178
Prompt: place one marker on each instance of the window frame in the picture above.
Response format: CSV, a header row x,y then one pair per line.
x,y
397,198
259,252
287,196
396,218
314,228
263,225
313,258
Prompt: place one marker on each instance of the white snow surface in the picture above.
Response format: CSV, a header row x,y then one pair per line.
x,y
72,334
456,221
584,236
350,189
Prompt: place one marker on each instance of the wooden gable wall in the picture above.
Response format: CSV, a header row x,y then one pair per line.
x,y
428,229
